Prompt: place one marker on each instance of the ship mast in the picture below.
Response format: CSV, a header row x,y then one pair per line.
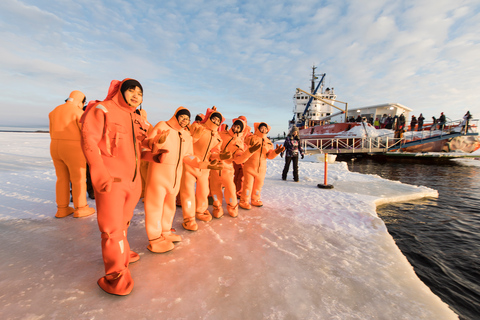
x,y
312,89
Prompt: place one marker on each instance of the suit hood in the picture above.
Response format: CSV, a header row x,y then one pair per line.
x,y
173,122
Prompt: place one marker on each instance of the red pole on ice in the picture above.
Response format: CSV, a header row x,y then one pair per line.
x,y
325,185
326,168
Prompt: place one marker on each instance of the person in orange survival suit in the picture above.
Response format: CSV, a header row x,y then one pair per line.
x,y
111,139
206,147
67,155
256,166
172,140
198,119
238,167
232,142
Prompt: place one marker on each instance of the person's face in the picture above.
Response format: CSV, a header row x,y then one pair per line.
x,y
183,120
236,128
133,97
263,129
215,120
295,133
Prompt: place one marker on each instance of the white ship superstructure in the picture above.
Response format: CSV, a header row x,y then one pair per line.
x,y
309,110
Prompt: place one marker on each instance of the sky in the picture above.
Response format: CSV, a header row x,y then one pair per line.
x,y
244,57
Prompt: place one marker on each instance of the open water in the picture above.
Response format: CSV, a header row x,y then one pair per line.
x,y
441,236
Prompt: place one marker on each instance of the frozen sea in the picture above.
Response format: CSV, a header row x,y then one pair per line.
x,y
308,253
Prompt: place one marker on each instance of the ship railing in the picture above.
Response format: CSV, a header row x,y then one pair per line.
x,y
351,145
440,130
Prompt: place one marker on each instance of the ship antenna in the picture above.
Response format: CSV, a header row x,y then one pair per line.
x,y
313,79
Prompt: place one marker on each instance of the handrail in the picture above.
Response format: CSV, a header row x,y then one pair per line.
x,y
351,145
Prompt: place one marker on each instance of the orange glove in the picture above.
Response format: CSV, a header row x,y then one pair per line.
x,y
197,132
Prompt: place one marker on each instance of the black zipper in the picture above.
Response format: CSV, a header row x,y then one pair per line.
x,y
178,161
135,148
228,144
260,158
208,147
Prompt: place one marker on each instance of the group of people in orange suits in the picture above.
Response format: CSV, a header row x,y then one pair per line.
x,y
175,159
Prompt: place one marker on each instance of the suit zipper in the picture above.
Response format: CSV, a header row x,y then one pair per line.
x,y
178,161
135,148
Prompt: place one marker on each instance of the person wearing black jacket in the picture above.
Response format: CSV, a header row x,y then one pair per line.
x,y
292,149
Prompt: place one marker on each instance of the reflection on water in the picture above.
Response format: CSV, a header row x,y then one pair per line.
x,y
440,237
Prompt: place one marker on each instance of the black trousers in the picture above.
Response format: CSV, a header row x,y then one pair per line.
x,y
287,167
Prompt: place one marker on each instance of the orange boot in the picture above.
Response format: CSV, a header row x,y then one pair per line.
x,y
160,245
257,203
83,212
190,224
217,210
232,210
63,212
118,283
134,257
204,216
170,236
244,205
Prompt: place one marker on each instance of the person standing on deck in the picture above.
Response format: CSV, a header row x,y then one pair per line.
x,y
413,123
420,119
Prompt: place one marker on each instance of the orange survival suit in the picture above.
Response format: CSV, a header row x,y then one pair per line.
x,y
232,143
255,167
205,147
163,180
238,167
111,139
68,159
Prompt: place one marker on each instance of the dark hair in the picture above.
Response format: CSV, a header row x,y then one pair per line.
x,y
182,112
130,84
239,123
217,115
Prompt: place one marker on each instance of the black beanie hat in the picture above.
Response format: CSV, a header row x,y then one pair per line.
x,y
239,123
130,83
216,114
182,112
198,117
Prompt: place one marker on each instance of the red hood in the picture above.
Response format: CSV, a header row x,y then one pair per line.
x,y
245,127
113,94
173,122
208,123
257,132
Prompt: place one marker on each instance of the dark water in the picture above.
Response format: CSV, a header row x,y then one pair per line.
x,y
440,237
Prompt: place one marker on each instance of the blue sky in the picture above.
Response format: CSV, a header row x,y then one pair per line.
x,y
245,57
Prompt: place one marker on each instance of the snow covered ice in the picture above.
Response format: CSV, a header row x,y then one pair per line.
x,y
308,253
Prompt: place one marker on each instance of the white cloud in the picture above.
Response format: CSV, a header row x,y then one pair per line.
x,y
243,56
